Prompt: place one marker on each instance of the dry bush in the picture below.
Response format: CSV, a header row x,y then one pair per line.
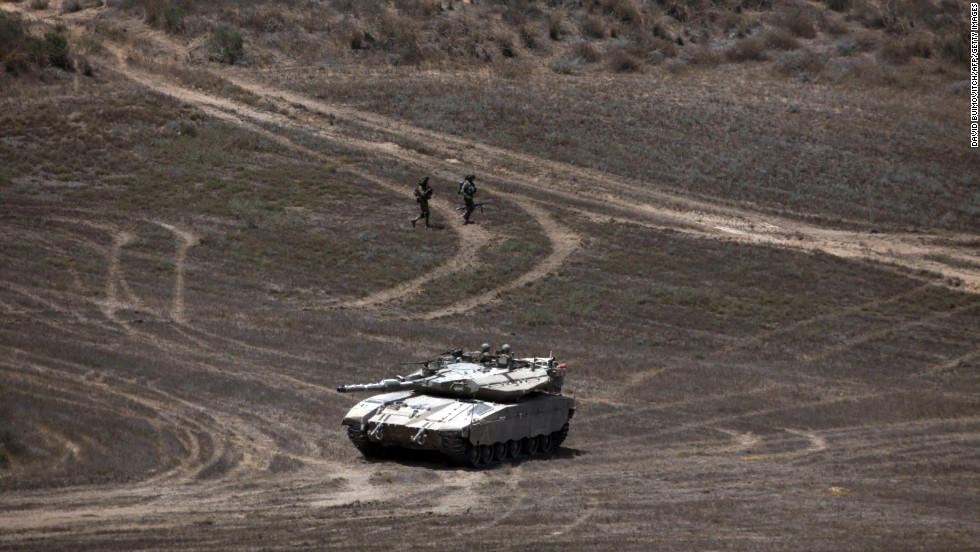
x,y
626,11
531,36
780,39
841,6
702,55
593,26
653,50
401,37
622,61
954,46
868,14
899,50
836,26
557,27
508,42
802,64
587,51
800,21
153,11
420,8
71,6
680,10
747,49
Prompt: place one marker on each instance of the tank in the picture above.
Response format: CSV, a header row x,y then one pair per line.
x,y
477,414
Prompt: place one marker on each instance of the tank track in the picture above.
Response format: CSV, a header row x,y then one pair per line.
x,y
363,443
558,437
455,449
475,456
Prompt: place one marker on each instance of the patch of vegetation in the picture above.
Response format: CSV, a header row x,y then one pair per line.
x,y
226,46
20,52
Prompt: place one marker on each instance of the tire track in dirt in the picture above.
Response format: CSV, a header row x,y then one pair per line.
x,y
829,317
596,189
243,115
697,217
192,423
186,241
871,335
563,244
476,238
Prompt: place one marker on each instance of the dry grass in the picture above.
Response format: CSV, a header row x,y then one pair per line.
x,y
728,394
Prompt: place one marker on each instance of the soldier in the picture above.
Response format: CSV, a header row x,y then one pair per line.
x,y
423,193
468,189
505,357
485,357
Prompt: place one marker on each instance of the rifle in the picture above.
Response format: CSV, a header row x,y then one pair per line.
x,y
480,205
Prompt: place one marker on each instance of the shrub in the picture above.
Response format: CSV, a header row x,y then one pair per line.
x,y
587,51
780,39
71,6
623,62
802,64
747,49
556,26
800,22
594,27
51,50
226,46
954,46
703,55
173,17
568,65
899,50
39,4
838,5
11,32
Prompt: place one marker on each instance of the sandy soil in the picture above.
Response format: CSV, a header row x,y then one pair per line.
x,y
633,475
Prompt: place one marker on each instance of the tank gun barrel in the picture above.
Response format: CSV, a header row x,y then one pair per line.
x,y
383,385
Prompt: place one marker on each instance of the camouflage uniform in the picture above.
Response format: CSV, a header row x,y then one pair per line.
x,y
423,193
468,189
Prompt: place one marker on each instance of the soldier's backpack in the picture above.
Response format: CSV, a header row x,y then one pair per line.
x,y
467,188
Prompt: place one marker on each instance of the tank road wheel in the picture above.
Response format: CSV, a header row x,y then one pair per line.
x,y
545,444
499,451
472,455
530,445
513,449
486,454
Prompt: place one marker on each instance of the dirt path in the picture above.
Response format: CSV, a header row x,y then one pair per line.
x,y
593,193
243,475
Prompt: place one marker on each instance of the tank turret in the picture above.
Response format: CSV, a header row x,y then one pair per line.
x,y
508,382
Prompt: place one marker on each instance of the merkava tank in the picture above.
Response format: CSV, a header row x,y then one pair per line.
x,y
477,414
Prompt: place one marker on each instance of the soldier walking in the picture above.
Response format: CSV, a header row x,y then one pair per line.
x,y
423,193
468,189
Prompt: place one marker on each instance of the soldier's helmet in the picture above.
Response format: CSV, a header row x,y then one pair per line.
x,y
470,177
505,349
424,181
485,347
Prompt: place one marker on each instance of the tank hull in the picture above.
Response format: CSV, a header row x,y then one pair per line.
x,y
469,431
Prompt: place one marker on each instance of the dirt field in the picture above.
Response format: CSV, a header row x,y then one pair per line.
x,y
193,258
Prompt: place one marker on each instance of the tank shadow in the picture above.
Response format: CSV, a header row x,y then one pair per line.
x,y
437,461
